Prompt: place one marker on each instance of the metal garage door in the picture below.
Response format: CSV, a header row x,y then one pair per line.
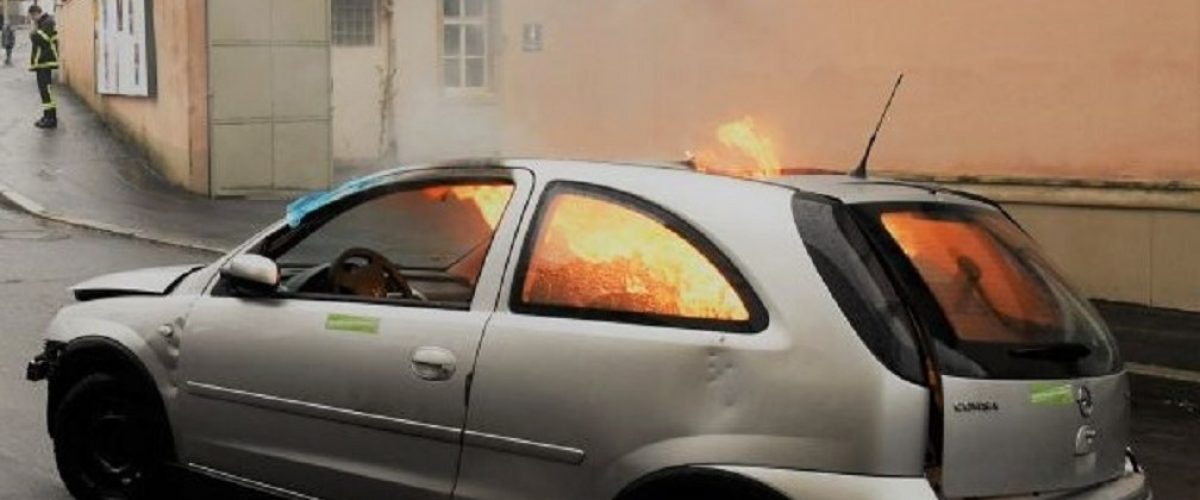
x,y
269,99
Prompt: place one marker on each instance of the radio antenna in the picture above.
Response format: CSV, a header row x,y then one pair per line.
x,y
861,170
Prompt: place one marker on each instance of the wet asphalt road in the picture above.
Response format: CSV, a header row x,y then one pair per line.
x,y
39,260
1166,436
37,263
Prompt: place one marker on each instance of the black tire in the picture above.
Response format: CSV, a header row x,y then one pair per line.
x,y
701,485
112,441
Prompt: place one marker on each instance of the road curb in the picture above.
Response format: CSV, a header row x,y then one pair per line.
x,y
31,207
1163,372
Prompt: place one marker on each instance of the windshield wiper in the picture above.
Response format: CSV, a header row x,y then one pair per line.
x,y
1064,351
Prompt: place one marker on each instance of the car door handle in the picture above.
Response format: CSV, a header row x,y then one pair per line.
x,y
433,363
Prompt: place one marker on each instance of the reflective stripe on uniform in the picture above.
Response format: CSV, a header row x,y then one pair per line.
x,y
52,41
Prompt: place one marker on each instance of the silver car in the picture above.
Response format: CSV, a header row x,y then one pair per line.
x,y
570,330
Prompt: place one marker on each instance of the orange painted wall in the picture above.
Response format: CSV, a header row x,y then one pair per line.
x,y
1068,88
172,127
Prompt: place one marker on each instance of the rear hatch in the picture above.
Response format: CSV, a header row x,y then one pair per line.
x,y
1032,398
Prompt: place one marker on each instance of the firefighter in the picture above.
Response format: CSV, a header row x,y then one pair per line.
x,y
43,61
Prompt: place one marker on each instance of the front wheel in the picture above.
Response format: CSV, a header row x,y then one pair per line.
x,y
111,441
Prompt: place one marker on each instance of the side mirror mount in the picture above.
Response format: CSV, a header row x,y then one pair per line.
x,y
251,275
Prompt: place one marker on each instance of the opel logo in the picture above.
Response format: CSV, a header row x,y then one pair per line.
x,y
1083,397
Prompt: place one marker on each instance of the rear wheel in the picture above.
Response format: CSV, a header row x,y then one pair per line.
x,y
112,441
701,485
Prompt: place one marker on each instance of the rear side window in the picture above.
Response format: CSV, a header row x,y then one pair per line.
x,y
858,281
599,254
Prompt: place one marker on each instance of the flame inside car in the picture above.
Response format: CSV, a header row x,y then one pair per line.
x,y
744,152
985,286
490,199
633,262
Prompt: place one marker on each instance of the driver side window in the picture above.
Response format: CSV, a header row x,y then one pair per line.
x,y
423,244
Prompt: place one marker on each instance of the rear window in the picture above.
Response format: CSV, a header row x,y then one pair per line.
x,y
1005,311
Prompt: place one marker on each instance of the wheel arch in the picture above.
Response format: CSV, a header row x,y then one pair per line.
x,y
94,354
685,481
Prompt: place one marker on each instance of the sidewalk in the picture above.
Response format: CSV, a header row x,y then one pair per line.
x,y
81,174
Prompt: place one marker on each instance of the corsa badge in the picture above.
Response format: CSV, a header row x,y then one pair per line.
x,y
976,406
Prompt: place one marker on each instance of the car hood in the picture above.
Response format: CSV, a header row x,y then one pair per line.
x,y
149,281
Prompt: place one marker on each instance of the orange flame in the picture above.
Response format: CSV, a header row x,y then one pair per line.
x,y
983,303
596,254
746,152
490,199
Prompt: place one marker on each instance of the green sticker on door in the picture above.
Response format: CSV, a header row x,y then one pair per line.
x,y
351,323
1051,394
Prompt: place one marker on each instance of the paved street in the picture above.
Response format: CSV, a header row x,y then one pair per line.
x,y
37,262
1166,435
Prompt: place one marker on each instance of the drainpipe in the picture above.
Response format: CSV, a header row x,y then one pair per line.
x,y
387,85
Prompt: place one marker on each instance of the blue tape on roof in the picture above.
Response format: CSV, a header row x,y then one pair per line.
x,y
300,209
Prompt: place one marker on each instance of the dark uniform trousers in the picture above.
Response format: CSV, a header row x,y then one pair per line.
x,y
44,77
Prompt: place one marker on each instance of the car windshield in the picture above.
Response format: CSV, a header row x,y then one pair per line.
x,y
1008,310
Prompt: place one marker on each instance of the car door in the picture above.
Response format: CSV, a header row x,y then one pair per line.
x,y
609,294
317,391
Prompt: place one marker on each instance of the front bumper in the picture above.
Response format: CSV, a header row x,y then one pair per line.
x,y
43,365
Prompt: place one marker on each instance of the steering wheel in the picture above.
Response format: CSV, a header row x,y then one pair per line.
x,y
366,273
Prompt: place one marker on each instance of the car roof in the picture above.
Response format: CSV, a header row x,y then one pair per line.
x,y
651,176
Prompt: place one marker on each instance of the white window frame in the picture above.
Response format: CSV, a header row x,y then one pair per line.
x,y
483,21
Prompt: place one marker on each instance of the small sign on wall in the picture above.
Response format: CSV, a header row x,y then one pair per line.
x,y
125,47
531,39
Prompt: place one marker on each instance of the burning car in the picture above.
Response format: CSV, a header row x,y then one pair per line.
x,y
555,329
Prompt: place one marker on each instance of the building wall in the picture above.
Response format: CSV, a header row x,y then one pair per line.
x,y
1072,88
172,127
429,124
1077,89
364,78
358,83
1127,243
1140,256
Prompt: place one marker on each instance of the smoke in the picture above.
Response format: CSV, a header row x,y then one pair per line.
x,y
1078,88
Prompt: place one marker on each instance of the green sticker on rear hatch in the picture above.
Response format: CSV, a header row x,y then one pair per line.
x,y
350,323
1051,394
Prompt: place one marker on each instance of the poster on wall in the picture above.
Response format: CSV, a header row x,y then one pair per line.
x,y
125,47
